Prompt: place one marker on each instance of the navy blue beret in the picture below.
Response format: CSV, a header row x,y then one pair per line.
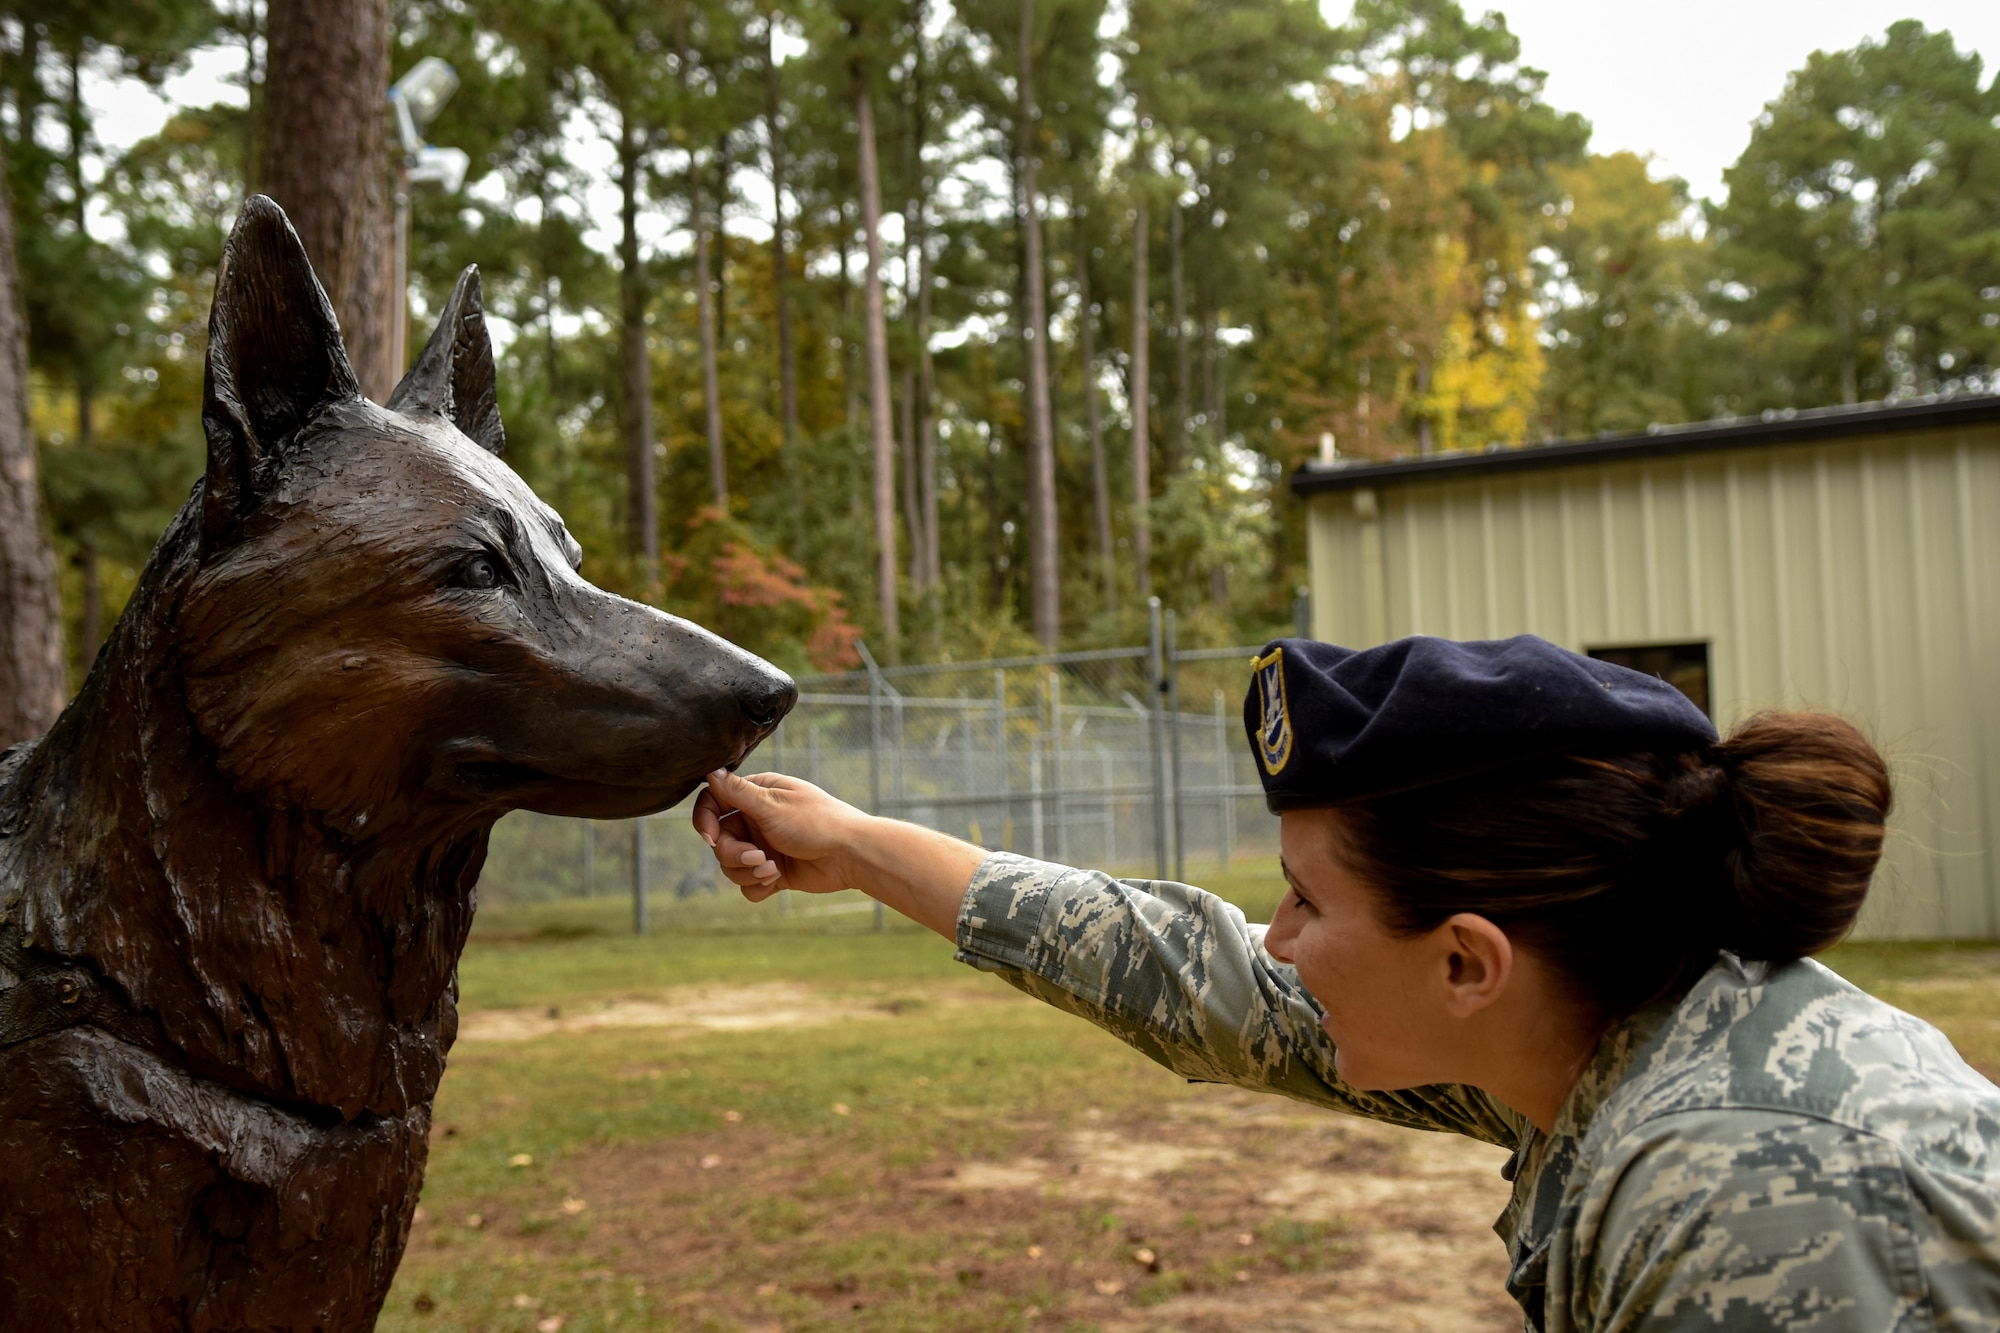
x,y
1330,724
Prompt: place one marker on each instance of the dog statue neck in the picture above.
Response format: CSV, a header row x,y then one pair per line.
x,y
261,948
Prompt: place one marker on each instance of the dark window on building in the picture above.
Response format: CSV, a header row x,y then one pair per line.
x,y
1682,665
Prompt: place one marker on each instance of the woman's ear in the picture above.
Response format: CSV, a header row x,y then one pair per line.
x,y
1478,963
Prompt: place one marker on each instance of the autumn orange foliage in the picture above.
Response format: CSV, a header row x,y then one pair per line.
x,y
727,579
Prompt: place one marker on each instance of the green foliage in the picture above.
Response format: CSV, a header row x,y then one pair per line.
x,y
1630,342
114,326
1212,527
1859,249
1381,230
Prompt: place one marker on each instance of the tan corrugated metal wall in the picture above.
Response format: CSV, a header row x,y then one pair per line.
x,y
1861,576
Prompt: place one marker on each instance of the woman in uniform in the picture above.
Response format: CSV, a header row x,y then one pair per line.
x,y
1532,898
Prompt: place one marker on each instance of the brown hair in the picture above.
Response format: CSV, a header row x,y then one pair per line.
x,y
1629,872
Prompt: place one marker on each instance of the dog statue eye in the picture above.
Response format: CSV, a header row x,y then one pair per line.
x,y
479,573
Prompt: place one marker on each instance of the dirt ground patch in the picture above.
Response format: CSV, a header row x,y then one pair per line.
x,y
1230,1211
776,1004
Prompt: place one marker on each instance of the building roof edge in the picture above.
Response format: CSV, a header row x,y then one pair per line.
x,y
1787,427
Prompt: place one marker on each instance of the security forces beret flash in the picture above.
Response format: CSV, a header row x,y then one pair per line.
x,y
1331,724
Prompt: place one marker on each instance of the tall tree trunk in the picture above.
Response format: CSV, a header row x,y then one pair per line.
x,y
23,74
1100,479
1424,438
32,684
850,381
781,291
77,127
718,237
906,474
1141,393
916,401
1177,299
883,450
704,302
249,26
1218,386
927,496
1211,368
643,505
1850,381
996,539
1044,548
927,489
551,340
93,602
325,160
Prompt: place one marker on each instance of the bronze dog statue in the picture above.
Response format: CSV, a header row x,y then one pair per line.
x,y
236,875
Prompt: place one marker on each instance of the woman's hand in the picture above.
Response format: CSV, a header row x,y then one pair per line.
x,y
772,832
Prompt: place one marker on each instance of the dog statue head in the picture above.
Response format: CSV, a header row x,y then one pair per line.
x,y
260,823
376,585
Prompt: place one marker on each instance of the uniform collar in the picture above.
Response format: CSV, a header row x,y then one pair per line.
x,y
1543,1163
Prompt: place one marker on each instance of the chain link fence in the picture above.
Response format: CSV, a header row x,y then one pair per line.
x,y
1127,759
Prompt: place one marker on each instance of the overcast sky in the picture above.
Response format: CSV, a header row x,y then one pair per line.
x,y
1681,81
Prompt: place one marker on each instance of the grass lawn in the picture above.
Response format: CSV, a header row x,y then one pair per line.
x,y
809,1125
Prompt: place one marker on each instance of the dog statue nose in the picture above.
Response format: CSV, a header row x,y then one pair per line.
x,y
767,700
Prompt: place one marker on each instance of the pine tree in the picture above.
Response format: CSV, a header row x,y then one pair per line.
x,y
1859,247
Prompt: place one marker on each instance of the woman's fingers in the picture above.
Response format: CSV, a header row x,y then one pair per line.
x,y
769,831
757,893
707,817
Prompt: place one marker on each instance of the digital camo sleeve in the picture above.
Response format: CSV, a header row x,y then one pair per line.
x,y
1179,975
1753,1221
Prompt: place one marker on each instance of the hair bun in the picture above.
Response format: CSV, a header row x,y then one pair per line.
x,y
1702,787
1812,799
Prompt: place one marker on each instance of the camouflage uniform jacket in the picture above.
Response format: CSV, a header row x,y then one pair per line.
x,y
1777,1150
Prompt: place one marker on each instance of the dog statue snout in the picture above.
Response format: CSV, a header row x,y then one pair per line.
x,y
766,700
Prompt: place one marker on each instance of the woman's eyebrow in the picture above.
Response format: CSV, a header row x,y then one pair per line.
x,y
1290,878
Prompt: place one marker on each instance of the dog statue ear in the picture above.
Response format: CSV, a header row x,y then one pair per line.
x,y
275,358
454,377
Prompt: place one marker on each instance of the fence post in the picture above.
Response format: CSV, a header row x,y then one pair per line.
x,y
1225,802
1155,654
1000,749
1107,777
639,876
874,743
589,858
897,792
874,729
972,828
778,763
1173,661
1035,824
1058,797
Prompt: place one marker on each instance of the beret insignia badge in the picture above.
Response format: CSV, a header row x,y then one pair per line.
x,y
1274,725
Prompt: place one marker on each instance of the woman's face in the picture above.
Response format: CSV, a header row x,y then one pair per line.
x,y
1384,994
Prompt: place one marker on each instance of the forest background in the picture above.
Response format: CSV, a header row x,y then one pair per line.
x,y
1134,259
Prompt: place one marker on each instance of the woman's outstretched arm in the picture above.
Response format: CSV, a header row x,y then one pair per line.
x,y
1174,972
774,832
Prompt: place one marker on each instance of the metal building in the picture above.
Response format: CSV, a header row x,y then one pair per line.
x,y
1846,559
